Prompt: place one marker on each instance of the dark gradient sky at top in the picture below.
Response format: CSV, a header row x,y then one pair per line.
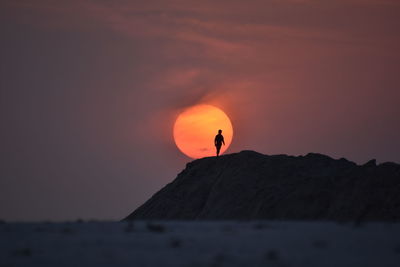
x,y
89,91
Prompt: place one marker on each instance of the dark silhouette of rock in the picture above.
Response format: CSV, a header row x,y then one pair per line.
x,y
371,163
249,185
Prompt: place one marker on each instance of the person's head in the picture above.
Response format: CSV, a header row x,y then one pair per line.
x,y
219,131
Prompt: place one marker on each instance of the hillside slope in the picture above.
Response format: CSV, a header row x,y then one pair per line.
x,y
250,185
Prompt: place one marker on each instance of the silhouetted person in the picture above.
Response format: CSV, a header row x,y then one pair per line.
x,y
218,141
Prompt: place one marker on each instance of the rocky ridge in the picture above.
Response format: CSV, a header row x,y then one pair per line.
x,y
252,186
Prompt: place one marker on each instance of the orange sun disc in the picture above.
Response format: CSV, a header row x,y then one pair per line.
x,y
196,127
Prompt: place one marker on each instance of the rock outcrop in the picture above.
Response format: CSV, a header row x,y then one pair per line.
x,y
249,185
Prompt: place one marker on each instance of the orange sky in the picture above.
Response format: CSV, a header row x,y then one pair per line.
x,y
90,91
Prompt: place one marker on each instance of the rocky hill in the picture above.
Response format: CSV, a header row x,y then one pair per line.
x,y
249,185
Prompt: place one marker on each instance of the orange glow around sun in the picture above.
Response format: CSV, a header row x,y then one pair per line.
x,y
196,127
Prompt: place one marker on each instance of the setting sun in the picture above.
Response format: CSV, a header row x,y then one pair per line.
x,y
196,127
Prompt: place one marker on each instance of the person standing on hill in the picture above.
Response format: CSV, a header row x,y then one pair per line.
x,y
218,141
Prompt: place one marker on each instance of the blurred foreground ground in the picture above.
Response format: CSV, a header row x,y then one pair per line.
x,y
222,243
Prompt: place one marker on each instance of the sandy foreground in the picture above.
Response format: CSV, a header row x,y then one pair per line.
x,y
222,243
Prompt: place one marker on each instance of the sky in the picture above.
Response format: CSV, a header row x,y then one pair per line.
x,y
89,92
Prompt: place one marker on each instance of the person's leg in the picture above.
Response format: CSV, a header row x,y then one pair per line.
x,y
218,149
